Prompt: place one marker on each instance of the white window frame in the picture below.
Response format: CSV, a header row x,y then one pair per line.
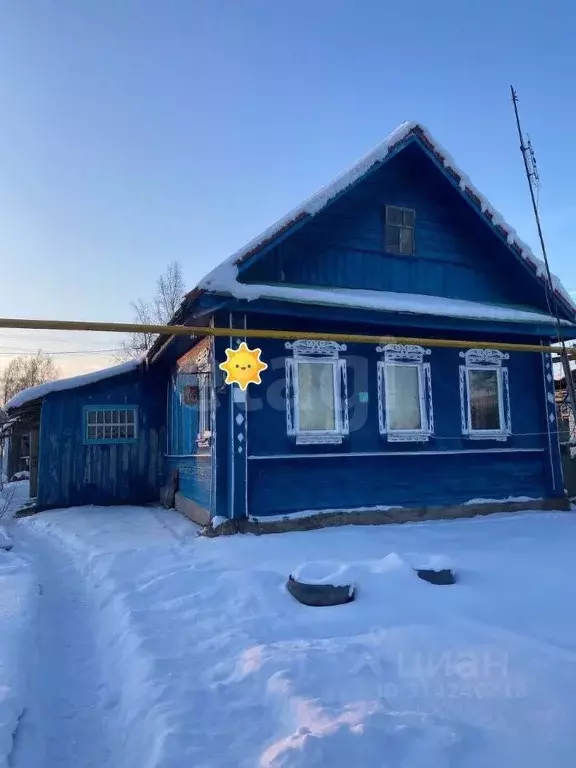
x,y
204,408
485,360
316,352
412,356
107,424
403,226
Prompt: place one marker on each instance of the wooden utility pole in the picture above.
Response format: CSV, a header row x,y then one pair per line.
x,y
532,178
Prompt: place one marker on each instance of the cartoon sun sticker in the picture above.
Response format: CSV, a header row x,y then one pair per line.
x,y
243,366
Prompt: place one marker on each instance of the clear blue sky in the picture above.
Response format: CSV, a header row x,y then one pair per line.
x,y
134,132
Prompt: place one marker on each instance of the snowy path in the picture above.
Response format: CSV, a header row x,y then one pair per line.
x,y
162,649
66,723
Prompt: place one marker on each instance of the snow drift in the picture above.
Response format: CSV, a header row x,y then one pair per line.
x,y
18,610
208,661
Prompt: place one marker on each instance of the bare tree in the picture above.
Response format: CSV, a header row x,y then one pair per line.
x,y
27,371
159,310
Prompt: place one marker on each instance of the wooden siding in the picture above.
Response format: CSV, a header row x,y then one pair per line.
x,y
72,473
290,485
283,476
457,255
183,452
223,433
194,476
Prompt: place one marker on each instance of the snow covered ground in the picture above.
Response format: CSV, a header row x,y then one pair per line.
x,y
162,649
18,611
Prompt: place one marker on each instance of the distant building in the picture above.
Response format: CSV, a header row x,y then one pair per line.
x,y
401,245
566,421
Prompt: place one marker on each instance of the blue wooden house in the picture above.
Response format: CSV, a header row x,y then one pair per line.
x,y
403,245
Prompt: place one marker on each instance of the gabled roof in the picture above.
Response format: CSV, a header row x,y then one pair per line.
x,y
224,278
58,385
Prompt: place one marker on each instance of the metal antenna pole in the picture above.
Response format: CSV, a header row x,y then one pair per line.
x,y
531,175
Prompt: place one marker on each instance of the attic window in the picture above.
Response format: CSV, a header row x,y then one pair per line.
x,y
399,230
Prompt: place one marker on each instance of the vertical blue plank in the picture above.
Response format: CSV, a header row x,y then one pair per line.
x,y
221,448
239,428
213,423
237,488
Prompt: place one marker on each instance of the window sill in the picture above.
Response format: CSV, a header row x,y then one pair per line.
x,y
390,252
500,436
205,455
319,439
407,437
119,441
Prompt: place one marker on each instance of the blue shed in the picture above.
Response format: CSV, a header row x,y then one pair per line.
x,y
401,246
97,438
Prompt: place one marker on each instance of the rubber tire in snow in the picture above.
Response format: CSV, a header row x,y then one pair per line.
x,y
320,594
442,577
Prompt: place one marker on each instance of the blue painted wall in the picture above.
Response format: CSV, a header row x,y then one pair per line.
x,y
457,253
284,477
292,485
193,460
182,453
195,477
72,473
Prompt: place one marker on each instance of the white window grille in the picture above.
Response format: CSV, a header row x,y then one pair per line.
x,y
405,407
485,395
316,392
105,424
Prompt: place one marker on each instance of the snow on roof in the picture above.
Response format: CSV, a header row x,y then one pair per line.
x,y
224,278
59,385
389,301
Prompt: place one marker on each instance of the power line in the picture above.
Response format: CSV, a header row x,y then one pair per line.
x,y
533,179
25,335
20,352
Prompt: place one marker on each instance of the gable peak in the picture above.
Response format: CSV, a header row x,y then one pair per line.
x,y
224,278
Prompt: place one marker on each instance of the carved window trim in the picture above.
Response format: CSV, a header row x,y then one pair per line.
x,y
312,351
410,355
485,360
